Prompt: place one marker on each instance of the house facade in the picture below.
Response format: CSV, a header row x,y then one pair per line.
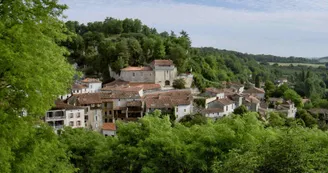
x,y
161,72
65,115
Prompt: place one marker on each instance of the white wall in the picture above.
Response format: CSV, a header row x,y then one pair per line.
x,y
182,110
109,132
75,119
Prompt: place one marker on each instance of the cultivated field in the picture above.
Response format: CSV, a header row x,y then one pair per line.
x,y
297,64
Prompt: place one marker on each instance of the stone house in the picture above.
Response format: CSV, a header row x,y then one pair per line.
x,y
219,107
161,72
257,92
93,103
122,103
177,102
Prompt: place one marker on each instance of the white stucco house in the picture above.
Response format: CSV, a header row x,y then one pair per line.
x,y
108,129
65,115
219,107
93,85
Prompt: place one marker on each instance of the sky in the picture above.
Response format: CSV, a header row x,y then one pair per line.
x,y
277,27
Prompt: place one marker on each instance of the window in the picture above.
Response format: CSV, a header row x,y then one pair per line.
x,y
177,109
71,123
105,104
71,115
184,110
78,123
133,74
86,117
167,72
78,115
226,108
110,112
105,120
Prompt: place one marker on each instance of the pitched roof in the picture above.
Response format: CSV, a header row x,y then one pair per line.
x,y
146,86
162,62
212,110
134,103
91,80
120,95
142,68
168,99
126,88
117,82
109,126
255,90
225,101
252,99
88,98
78,86
61,105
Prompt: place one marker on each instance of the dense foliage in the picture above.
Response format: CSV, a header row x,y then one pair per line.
x,y
232,144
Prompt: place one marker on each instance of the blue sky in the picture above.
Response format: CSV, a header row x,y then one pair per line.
x,y
278,27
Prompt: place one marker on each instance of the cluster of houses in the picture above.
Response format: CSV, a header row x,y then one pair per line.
x,y
137,91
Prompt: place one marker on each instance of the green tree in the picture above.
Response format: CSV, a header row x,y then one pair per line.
x,y
294,97
240,110
179,83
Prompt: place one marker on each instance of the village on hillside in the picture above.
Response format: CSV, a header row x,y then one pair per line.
x,y
137,91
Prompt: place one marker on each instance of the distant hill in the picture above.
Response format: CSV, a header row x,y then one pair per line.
x,y
323,59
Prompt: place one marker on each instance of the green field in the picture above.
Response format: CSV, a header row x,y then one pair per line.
x,y
297,64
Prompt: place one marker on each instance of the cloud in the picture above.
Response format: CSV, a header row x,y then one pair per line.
x,y
280,27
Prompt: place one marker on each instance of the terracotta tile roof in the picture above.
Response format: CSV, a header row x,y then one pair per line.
x,y
109,126
142,68
122,88
255,90
117,82
162,62
212,110
90,80
78,86
146,86
88,98
168,99
61,105
134,103
120,95
225,101
252,99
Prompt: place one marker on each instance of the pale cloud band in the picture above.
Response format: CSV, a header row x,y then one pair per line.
x,y
280,27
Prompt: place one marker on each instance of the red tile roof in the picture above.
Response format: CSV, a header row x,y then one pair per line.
x,y
255,90
168,99
163,62
146,86
143,68
91,80
61,105
117,82
105,96
88,98
109,126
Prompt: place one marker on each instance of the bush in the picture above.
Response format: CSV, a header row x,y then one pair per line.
x,y
179,83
